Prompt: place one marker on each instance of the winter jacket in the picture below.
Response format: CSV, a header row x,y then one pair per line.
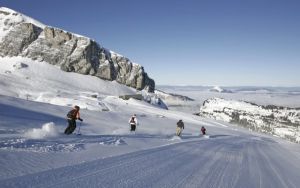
x,y
133,120
73,114
180,124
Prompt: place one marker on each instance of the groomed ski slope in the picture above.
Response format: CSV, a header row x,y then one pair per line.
x,y
35,98
221,161
152,157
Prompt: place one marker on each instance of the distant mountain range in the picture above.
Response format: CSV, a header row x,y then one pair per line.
x,y
231,89
171,96
220,90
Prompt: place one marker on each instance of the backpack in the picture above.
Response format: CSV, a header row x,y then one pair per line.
x,y
132,120
72,114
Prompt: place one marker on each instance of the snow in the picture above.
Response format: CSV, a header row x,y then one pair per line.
x,y
279,122
24,17
47,130
14,18
217,89
288,97
40,81
35,98
115,54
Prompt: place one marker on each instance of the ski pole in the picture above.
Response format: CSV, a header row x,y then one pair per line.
x,y
78,131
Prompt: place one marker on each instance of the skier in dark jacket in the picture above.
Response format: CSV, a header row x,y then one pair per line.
x,y
180,127
133,122
203,130
71,117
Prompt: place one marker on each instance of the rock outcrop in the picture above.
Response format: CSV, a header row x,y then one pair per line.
x,y
172,96
275,120
23,36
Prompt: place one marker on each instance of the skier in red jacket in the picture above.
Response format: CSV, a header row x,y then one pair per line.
x,y
71,117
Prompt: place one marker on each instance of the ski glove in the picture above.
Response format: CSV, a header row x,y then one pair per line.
x,y
80,119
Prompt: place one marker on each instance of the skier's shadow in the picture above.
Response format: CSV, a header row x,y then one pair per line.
x,y
216,136
190,136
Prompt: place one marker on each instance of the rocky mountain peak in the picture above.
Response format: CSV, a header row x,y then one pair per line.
x,y
26,37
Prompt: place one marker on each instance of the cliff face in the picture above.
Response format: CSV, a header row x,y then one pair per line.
x,y
23,36
275,120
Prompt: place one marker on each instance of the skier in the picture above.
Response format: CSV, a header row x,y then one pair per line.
x,y
180,127
133,122
71,117
203,130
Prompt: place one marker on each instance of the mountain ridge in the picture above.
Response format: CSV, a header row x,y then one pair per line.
x,y
26,37
276,120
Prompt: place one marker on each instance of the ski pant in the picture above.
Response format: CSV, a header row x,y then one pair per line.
x,y
178,131
71,126
132,126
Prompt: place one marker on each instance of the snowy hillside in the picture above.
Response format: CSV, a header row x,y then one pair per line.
x,y
45,71
39,81
172,98
13,18
280,121
279,96
35,153
25,37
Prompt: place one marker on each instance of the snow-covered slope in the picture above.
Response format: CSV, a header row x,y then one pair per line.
x,y
38,81
279,96
174,100
13,18
36,96
280,121
171,98
26,37
35,153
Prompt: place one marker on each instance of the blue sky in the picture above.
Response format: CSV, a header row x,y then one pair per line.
x,y
190,42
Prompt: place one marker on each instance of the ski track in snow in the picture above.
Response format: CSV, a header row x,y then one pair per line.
x,y
224,161
107,155
74,143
